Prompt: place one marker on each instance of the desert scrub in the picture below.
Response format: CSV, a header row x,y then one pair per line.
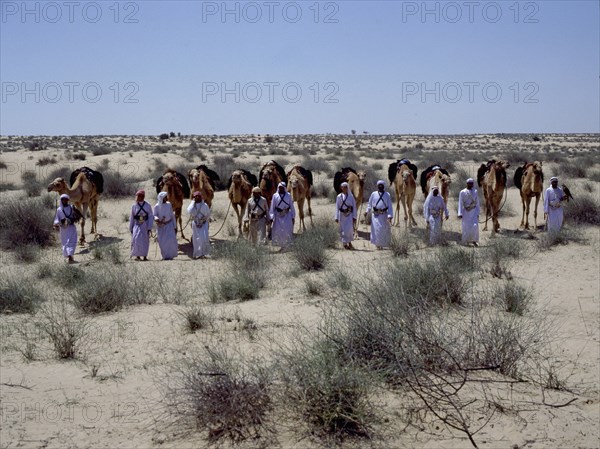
x,y
18,294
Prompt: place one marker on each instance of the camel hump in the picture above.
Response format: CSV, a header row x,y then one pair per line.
x,y
184,184
213,177
337,182
305,173
483,168
95,177
392,169
518,180
425,176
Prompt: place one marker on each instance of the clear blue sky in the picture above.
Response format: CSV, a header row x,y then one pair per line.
x,y
381,66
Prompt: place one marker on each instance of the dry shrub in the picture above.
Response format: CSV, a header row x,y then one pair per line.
x,y
108,288
246,274
562,237
309,250
31,184
118,186
196,317
329,394
25,222
227,396
513,297
65,328
18,294
585,209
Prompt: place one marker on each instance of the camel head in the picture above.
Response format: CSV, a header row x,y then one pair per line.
x,y
362,176
269,176
502,165
58,185
537,178
171,180
446,180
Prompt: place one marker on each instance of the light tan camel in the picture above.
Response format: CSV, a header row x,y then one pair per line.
x,y
239,187
202,179
300,182
529,179
492,178
177,189
406,187
442,181
83,193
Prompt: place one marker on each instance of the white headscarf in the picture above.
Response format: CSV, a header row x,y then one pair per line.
x,y
160,198
381,182
282,184
350,195
428,200
65,196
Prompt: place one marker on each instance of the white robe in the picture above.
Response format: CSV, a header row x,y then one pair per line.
x,y
345,220
283,221
468,208
381,229
200,213
553,207
140,231
167,232
434,209
68,231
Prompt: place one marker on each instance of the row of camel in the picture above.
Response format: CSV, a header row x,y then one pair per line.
x,y
86,186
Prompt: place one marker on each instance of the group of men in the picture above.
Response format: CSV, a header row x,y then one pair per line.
x,y
281,215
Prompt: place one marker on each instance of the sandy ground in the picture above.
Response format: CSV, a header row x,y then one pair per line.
x,y
47,403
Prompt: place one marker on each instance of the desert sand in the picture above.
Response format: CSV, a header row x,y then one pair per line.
x,y
112,396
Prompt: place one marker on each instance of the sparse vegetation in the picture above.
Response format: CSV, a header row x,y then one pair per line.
x,y
25,222
514,298
585,209
18,294
226,396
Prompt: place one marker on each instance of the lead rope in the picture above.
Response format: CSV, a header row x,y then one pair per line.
x,y
224,220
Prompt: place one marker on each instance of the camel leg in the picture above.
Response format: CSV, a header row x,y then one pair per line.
x,y
527,205
537,200
410,199
178,218
522,209
83,208
309,209
487,214
301,214
403,199
239,218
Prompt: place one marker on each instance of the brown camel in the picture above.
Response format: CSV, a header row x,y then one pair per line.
x,y
300,182
271,174
202,179
402,174
85,190
492,178
177,189
529,179
356,181
436,176
240,186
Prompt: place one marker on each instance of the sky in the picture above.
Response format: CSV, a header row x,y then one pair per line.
x,y
304,67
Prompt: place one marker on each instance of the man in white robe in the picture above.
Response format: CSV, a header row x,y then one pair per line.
x,y
64,220
345,215
283,215
553,209
380,204
140,225
199,214
433,210
256,217
164,217
468,212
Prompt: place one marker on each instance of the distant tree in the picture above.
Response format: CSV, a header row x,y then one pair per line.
x,y
178,134
365,132
269,139
164,136
171,134
353,132
536,139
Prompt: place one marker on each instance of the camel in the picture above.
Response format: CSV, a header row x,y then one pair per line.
x,y
492,178
301,181
202,179
435,175
402,174
240,186
356,181
85,190
177,189
529,179
271,174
